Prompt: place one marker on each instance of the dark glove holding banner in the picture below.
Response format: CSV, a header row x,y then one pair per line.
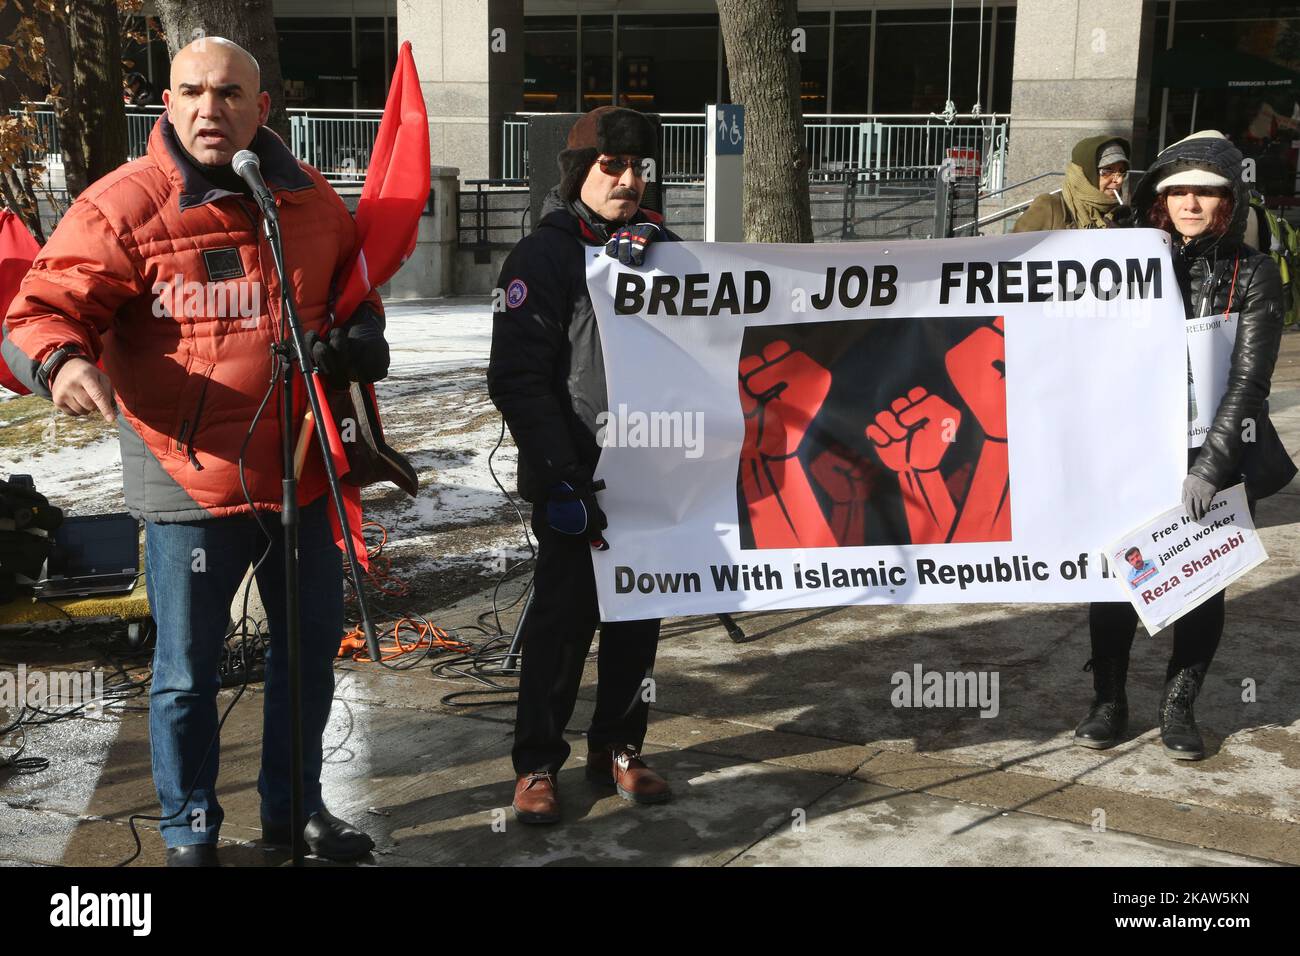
x,y
1197,495
1126,217
628,243
573,510
355,352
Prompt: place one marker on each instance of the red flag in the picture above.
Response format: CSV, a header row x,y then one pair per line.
x,y
393,198
17,250
351,493
396,190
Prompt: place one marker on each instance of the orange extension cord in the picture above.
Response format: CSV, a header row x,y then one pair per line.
x,y
381,579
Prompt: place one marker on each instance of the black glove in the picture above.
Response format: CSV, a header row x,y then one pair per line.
x,y
627,244
1197,495
1126,217
354,352
571,509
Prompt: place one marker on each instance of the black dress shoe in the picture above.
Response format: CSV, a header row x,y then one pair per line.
x,y
197,854
1108,717
325,835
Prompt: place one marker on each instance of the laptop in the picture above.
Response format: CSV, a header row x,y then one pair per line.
x,y
92,555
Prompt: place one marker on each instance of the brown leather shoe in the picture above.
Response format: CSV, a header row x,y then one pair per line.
x,y
626,771
536,800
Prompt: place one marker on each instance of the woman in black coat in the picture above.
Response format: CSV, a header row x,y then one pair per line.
x,y
1195,191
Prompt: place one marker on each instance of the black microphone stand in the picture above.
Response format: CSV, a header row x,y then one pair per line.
x,y
293,347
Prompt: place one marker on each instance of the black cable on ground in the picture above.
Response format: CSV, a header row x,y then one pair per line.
x,y
453,654
21,765
122,687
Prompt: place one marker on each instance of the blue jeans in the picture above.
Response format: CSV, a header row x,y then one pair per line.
x,y
193,570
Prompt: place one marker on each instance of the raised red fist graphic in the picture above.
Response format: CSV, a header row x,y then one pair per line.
x,y
978,369
915,431
780,394
843,480
977,366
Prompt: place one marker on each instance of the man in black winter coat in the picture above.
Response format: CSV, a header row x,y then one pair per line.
x,y
547,378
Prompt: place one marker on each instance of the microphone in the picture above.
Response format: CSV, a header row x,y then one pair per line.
x,y
249,168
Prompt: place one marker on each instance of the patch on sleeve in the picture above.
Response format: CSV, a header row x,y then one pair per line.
x,y
516,293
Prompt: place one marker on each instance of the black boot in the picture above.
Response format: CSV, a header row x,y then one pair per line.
x,y
196,854
1108,718
325,835
1178,729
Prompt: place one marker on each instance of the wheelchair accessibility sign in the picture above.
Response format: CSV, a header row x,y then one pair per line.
x,y
729,130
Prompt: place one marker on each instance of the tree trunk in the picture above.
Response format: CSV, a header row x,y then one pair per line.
x,y
67,122
758,35
250,23
92,129
16,174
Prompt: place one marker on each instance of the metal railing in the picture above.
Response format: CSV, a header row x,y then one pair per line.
x,y
973,227
337,146
865,143
337,142
492,212
891,204
832,147
975,148
514,149
139,121
681,152
46,136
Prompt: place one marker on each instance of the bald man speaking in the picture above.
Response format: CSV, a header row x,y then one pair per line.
x,y
160,274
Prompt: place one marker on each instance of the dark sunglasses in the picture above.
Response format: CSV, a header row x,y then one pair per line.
x,y
617,166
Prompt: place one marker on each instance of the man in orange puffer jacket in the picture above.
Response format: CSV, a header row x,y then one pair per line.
x,y
160,272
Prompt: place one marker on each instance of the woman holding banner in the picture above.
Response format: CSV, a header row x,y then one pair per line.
x,y
1195,192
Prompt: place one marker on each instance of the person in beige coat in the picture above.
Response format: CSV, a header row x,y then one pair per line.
x,y
1089,197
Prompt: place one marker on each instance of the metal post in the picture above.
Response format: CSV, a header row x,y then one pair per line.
x,y
480,210
830,64
942,206
877,133
616,64
993,55
511,663
849,208
871,65
724,173
577,70
1164,92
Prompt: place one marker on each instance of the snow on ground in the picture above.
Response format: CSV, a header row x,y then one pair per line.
x,y
437,412
81,481
441,334
448,541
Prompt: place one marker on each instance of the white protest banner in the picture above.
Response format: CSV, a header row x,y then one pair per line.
x,y
1172,564
801,426
1209,357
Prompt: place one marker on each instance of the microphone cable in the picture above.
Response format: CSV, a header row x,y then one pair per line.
x,y
528,539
